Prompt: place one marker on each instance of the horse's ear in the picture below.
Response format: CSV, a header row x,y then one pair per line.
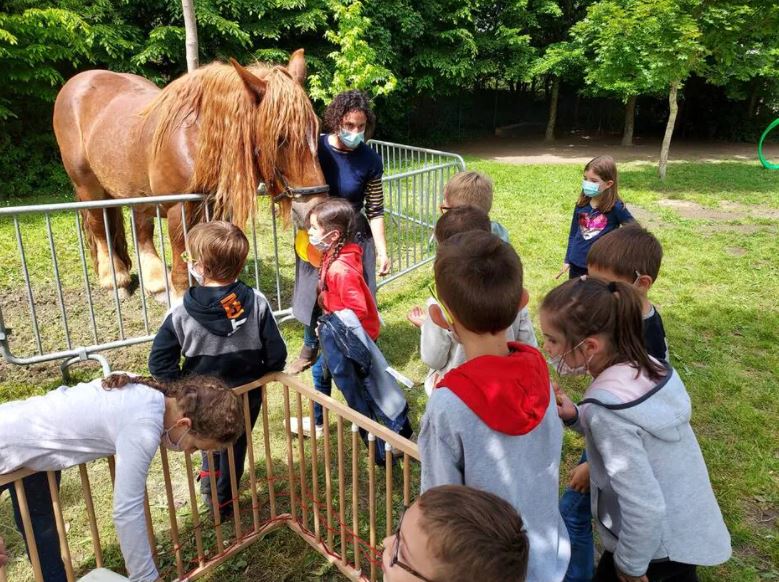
x,y
297,66
254,84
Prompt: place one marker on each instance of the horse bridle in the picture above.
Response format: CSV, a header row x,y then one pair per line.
x,y
290,192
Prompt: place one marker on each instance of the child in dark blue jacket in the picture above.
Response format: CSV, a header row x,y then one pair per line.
x,y
598,211
223,328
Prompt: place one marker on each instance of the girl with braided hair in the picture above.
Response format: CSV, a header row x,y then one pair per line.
x,y
341,281
122,415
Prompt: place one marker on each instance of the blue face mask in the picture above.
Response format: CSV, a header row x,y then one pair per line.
x,y
590,189
351,140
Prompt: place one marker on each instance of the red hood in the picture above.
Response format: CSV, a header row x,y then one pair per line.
x,y
509,393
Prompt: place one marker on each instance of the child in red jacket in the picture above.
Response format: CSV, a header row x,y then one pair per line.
x,y
341,283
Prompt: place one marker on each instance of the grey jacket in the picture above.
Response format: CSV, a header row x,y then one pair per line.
x,y
457,446
650,491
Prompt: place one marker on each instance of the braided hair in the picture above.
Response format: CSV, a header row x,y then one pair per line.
x,y
216,411
334,214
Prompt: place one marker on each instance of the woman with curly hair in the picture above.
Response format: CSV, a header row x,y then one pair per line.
x,y
353,171
122,415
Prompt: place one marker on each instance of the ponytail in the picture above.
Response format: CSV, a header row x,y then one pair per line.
x,y
216,411
584,307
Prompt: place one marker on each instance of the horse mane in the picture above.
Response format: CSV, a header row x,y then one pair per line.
x,y
239,141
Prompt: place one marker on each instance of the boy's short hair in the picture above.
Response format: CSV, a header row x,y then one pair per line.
x,y
469,189
479,278
628,250
220,248
473,534
461,219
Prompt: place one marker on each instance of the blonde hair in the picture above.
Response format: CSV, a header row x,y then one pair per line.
x,y
220,248
469,189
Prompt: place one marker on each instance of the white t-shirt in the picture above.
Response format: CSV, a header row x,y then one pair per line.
x,y
69,426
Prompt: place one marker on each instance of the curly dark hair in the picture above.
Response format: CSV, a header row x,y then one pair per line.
x,y
343,103
216,411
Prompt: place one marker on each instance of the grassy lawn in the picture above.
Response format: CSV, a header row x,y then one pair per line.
x,y
719,225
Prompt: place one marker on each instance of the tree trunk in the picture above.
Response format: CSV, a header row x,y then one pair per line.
x,y
630,116
190,30
669,130
753,100
549,136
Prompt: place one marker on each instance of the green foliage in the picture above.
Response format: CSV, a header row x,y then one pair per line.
x,y
638,47
355,61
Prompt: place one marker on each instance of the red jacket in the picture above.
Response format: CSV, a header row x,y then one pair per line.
x,y
343,287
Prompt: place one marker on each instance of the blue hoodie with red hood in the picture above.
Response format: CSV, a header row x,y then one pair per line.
x,y
492,424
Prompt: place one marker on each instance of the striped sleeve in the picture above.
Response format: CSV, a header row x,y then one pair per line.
x,y
374,199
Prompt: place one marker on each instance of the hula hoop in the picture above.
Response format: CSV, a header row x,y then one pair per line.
x,y
766,164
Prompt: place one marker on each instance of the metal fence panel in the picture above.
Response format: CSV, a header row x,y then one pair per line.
x,y
51,303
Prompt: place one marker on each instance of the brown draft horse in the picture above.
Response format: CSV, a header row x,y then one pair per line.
x,y
220,130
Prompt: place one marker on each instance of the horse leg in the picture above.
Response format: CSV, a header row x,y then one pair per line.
x,y
95,229
151,266
179,274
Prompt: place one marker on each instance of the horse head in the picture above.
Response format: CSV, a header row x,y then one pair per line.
x,y
285,136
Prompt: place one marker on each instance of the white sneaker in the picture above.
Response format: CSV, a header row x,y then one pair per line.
x,y
294,427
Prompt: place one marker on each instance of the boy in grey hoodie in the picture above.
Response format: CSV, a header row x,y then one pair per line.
x,y
654,507
491,423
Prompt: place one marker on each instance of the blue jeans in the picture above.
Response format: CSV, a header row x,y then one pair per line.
x,y
44,528
577,515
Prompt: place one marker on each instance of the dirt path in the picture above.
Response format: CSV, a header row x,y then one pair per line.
x,y
580,148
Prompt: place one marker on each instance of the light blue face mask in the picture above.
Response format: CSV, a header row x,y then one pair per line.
x,y
590,189
351,140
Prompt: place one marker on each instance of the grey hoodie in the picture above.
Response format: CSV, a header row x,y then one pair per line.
x,y
495,427
650,491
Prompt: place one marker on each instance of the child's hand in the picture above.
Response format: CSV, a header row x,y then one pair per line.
x,y
580,478
3,554
566,409
416,316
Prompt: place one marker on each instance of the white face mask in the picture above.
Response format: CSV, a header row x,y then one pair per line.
x,y
318,242
195,275
563,369
168,443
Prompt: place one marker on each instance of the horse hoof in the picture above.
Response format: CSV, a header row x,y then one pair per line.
x,y
123,292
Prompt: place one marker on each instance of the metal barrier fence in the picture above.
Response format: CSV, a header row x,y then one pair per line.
x,y
327,490
51,307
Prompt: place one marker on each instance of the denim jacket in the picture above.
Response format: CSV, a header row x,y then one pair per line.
x,y
359,370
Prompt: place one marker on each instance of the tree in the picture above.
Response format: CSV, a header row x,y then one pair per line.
x,y
742,45
639,47
190,34
560,60
355,62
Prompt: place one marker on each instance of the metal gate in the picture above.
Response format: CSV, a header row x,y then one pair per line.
x,y
51,307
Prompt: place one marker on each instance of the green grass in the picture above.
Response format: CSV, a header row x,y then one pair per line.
x,y
717,295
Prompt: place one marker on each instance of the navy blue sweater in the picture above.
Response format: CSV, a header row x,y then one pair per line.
x,y
588,225
350,175
228,332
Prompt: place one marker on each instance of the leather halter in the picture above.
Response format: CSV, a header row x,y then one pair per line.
x,y
293,193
